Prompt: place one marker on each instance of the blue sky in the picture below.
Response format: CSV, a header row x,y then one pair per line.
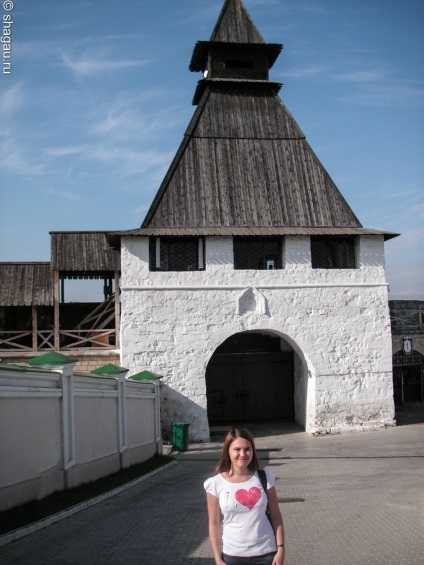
x,y
99,96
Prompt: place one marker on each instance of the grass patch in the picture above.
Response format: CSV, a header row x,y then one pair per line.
x,y
30,512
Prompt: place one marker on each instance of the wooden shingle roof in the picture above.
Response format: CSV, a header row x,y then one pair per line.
x,y
79,253
114,237
244,162
26,284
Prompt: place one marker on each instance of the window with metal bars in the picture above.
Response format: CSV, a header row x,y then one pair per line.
x,y
415,358
262,253
333,252
176,254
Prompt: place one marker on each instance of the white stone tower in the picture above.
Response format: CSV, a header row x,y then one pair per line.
x,y
251,286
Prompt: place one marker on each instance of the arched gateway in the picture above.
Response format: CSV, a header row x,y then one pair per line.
x,y
250,378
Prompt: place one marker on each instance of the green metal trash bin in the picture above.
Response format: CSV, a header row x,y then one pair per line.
x,y
180,436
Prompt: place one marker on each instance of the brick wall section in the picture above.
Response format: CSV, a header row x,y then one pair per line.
x,y
85,362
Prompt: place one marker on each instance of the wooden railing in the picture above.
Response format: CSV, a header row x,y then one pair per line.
x,y
21,341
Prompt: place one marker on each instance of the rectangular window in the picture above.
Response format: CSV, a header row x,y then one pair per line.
x,y
176,254
333,252
238,64
257,253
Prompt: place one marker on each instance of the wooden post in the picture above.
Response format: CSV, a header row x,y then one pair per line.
x,y
34,327
56,283
117,313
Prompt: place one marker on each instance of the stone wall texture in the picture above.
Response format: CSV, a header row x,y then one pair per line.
x,y
335,321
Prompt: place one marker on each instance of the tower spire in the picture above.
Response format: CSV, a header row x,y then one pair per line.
x,y
234,25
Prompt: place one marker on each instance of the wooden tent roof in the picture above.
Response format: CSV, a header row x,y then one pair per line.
x,y
26,284
83,254
244,162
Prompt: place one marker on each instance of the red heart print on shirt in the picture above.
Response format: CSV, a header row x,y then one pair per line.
x,y
248,498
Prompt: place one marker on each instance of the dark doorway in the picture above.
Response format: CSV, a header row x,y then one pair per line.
x,y
250,379
408,383
408,377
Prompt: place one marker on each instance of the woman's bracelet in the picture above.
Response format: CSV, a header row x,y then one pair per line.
x,y
280,545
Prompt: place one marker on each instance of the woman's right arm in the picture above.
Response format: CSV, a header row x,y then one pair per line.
x,y
214,527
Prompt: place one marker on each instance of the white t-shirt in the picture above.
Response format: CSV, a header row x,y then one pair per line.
x,y
246,530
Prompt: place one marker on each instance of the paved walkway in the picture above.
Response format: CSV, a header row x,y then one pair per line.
x,y
355,499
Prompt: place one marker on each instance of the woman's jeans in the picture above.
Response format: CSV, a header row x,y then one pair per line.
x,y
256,560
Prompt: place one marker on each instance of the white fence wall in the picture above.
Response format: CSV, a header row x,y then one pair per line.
x,y
59,429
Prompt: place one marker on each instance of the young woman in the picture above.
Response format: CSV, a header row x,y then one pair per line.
x,y
249,536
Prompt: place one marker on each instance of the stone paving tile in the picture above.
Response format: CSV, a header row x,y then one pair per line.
x,y
346,500
359,512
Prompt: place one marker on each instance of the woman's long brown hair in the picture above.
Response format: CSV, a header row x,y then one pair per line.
x,y
224,465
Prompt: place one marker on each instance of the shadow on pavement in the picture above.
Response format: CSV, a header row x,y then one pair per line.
x,y
410,413
258,429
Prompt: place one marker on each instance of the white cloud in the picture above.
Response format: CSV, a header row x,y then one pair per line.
x,y
306,72
132,119
129,162
120,161
263,2
64,151
363,76
410,239
73,196
387,95
91,65
117,120
377,87
11,100
13,158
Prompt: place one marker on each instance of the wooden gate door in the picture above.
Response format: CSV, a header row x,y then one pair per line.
x,y
250,386
412,383
223,385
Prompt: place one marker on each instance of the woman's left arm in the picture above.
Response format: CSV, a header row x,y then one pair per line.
x,y
277,524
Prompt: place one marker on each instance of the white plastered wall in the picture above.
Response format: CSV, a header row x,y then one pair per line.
x,y
336,321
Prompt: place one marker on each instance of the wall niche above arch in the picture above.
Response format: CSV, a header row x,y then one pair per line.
x,y
252,301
